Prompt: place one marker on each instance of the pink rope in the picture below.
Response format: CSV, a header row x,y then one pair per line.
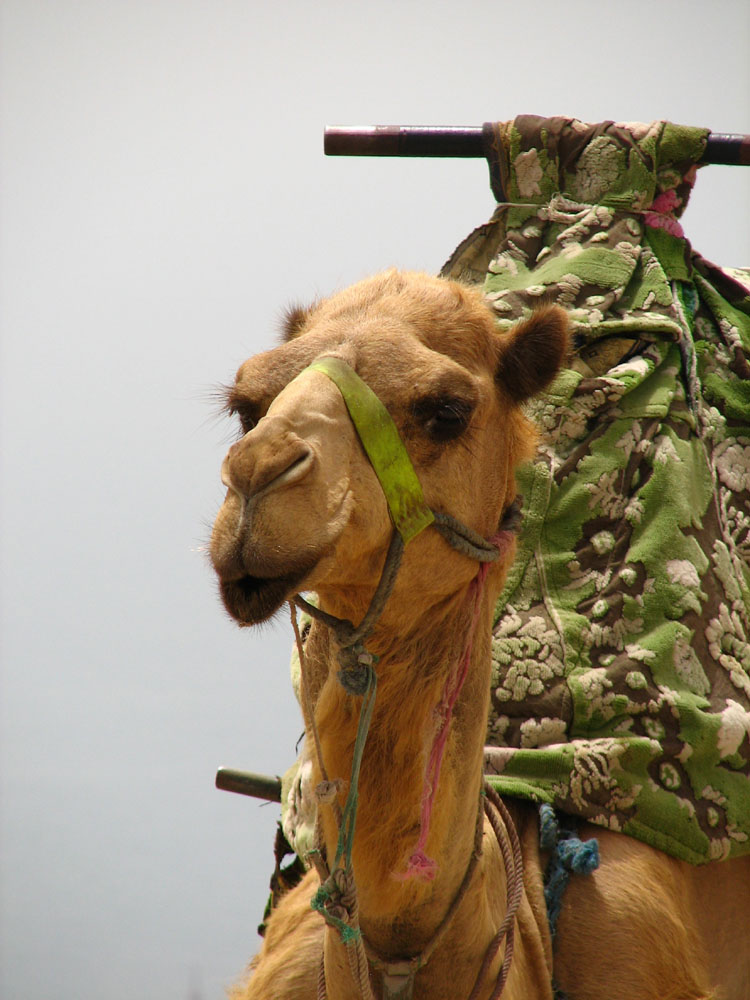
x,y
419,864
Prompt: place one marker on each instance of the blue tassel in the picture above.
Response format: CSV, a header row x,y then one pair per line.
x,y
568,855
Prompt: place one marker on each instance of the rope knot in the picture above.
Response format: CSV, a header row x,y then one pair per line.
x,y
345,889
336,901
326,791
418,866
356,668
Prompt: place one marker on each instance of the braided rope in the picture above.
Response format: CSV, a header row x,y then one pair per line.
x,y
322,991
510,847
336,901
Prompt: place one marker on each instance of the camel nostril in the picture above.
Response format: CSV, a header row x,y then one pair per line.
x,y
296,470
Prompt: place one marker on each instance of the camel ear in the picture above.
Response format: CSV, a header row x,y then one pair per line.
x,y
533,352
294,320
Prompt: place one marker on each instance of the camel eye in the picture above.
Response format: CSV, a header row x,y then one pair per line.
x,y
246,422
247,414
444,419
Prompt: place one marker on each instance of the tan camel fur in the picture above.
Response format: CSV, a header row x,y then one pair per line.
x,y
305,511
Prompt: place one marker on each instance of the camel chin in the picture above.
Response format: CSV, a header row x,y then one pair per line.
x,y
251,600
260,561
260,568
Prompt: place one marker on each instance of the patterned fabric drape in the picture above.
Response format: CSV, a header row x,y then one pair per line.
x,y
621,686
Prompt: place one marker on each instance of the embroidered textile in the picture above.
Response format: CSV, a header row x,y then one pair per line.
x,y
621,652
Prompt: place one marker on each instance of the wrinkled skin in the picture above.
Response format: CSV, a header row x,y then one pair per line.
x,y
304,511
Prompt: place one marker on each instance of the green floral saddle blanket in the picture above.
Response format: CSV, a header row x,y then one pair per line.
x,y
621,652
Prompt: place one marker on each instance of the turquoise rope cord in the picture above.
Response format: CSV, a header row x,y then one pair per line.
x,y
349,816
327,891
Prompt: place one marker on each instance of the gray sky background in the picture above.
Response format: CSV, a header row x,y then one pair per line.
x,y
163,195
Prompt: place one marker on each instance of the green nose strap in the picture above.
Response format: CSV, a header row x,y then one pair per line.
x,y
383,446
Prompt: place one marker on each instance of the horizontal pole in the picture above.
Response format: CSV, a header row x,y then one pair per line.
x,y
259,786
403,140
727,147
467,141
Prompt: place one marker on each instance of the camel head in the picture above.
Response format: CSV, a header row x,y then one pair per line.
x,y
304,509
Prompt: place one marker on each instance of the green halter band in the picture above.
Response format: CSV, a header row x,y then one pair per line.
x,y
383,446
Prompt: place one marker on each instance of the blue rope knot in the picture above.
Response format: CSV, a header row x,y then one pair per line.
x,y
569,855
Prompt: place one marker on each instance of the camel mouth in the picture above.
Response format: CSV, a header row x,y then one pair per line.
x,y
252,599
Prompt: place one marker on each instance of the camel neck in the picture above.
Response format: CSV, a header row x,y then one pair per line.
x,y
399,912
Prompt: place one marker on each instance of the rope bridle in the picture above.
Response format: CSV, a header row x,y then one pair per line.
x,y
336,899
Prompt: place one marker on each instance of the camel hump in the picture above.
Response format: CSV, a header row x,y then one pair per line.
x,y
533,352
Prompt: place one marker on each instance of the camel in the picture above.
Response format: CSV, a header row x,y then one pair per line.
x,y
429,876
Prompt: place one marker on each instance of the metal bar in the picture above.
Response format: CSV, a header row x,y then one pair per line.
x,y
727,147
466,141
403,140
260,786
